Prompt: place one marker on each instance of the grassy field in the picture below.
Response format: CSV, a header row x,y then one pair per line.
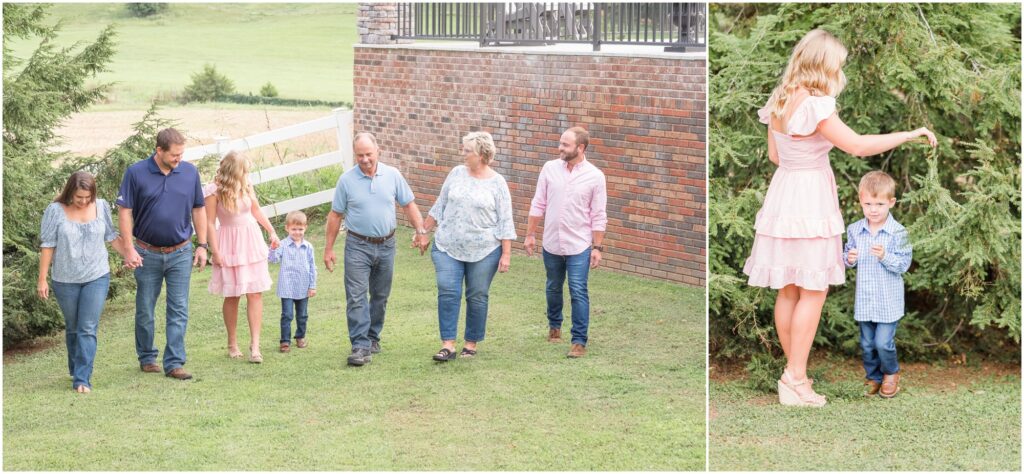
x,y
305,50
636,402
944,419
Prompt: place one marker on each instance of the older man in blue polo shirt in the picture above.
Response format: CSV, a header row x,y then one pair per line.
x,y
366,197
160,201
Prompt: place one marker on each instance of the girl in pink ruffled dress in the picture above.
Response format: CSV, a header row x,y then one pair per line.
x,y
238,252
798,231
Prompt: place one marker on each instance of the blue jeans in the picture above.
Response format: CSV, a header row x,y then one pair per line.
x,y
578,268
878,341
287,305
368,270
450,274
82,304
176,269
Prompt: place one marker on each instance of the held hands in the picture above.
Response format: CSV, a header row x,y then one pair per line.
x,y
274,241
421,241
133,260
851,258
529,243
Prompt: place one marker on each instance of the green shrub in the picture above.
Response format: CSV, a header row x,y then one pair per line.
x,y
268,90
143,10
954,68
208,85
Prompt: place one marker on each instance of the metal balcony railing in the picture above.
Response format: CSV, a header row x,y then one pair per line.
x,y
678,26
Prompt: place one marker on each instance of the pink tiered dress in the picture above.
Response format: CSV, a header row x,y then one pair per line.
x,y
242,256
798,231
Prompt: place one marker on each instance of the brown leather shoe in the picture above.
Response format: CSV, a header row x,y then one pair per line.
x,y
285,347
301,343
554,335
872,387
151,368
179,374
890,386
577,351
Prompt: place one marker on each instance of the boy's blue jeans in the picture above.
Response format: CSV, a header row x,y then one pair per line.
x,y
296,308
878,342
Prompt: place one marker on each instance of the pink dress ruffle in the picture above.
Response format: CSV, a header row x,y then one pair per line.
x,y
242,253
798,231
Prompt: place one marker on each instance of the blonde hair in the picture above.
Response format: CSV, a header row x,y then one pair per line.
x,y
878,184
482,145
816,65
295,218
232,180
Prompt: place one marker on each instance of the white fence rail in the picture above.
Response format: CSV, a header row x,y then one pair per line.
x,y
340,121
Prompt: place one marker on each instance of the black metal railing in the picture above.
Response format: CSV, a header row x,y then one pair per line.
x,y
677,26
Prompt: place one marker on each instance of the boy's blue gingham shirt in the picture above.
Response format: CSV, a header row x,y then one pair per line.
x,y
298,270
879,282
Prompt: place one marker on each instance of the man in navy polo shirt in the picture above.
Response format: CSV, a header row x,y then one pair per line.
x,y
160,200
366,196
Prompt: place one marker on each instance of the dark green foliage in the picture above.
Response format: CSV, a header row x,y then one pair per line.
x,y
268,90
40,92
143,10
260,100
208,85
954,68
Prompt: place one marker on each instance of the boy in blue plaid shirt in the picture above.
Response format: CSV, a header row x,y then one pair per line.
x,y
296,279
880,250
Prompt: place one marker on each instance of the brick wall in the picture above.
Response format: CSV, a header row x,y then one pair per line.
x,y
645,116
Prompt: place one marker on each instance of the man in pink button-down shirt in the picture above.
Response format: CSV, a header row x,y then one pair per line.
x,y
571,196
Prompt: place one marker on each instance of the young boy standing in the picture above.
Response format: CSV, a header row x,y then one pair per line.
x,y
296,280
879,248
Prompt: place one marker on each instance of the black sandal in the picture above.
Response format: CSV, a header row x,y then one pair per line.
x,y
467,352
444,355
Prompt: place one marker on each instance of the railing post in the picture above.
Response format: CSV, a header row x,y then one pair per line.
x,y
343,119
597,26
483,14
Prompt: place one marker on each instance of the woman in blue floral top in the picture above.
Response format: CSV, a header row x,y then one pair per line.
x,y
75,229
473,241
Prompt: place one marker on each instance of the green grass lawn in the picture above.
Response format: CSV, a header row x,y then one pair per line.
x,y
636,402
942,424
305,50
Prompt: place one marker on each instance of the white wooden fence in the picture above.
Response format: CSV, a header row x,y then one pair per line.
x,y
340,120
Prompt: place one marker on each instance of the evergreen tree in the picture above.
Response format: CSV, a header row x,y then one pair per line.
x,y
954,68
39,92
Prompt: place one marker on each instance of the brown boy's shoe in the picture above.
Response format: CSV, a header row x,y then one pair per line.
x,y
872,387
285,347
890,386
151,368
179,374
577,351
554,335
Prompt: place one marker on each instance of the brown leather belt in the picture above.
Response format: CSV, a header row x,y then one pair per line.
x,y
154,248
372,240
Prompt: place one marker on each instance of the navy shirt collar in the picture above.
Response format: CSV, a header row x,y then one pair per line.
x,y
155,168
